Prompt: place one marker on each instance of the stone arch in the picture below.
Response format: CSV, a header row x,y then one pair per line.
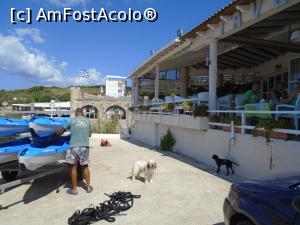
x,y
116,110
90,111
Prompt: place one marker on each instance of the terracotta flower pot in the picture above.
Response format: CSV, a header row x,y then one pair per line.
x,y
236,129
227,128
274,134
280,135
212,126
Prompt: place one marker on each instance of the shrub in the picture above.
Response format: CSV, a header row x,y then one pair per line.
x,y
200,111
106,126
167,142
64,97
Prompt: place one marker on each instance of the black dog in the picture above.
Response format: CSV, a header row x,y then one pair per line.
x,y
220,162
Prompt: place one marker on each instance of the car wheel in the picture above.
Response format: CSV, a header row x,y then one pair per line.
x,y
9,175
244,222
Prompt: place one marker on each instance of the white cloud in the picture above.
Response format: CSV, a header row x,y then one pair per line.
x,y
66,3
63,65
94,78
34,33
17,60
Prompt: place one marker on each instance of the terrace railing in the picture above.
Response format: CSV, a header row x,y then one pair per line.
x,y
157,109
243,114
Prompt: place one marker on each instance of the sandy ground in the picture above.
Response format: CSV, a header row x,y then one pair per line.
x,y
182,193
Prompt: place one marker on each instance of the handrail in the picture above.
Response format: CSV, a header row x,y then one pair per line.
x,y
174,102
243,114
287,131
254,112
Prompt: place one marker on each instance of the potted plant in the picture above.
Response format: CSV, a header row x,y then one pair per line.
x,y
269,125
200,111
237,122
200,119
169,107
213,118
226,121
187,106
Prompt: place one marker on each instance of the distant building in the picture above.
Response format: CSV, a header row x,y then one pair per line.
x,y
116,86
42,106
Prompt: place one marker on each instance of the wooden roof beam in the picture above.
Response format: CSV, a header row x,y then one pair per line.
x,y
280,22
274,51
261,52
225,65
249,54
233,63
236,54
260,43
240,60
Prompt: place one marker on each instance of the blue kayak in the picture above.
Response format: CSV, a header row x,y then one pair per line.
x,y
35,156
12,127
9,151
45,126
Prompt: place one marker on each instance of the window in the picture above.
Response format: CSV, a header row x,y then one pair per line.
x,y
169,75
90,112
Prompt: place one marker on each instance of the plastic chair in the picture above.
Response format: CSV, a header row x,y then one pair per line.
x,y
286,107
179,98
224,102
169,99
239,102
203,97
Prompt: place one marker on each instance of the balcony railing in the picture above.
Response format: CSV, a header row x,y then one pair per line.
x,y
158,109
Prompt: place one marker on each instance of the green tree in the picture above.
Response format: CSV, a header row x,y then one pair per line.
x,y
64,97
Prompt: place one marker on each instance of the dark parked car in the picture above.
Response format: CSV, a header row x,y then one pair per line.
x,y
268,201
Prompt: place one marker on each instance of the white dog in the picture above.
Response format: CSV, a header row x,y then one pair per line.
x,y
146,167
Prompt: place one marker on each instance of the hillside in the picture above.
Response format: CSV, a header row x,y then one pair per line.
x,y
43,94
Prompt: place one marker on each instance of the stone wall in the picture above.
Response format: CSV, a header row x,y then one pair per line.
x,y
102,104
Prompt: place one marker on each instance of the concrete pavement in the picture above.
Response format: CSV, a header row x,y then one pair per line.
x,y
181,193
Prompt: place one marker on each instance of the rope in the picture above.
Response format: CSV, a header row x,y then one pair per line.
x,y
118,202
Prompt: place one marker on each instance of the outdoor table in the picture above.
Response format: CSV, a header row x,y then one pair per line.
x,y
258,107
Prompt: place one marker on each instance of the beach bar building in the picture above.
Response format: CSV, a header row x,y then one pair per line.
x,y
246,41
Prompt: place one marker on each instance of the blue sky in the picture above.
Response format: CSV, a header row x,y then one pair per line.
x,y
52,54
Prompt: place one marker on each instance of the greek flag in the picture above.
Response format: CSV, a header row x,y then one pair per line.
x,y
83,73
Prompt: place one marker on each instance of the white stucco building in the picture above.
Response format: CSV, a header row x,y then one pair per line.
x,y
254,40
